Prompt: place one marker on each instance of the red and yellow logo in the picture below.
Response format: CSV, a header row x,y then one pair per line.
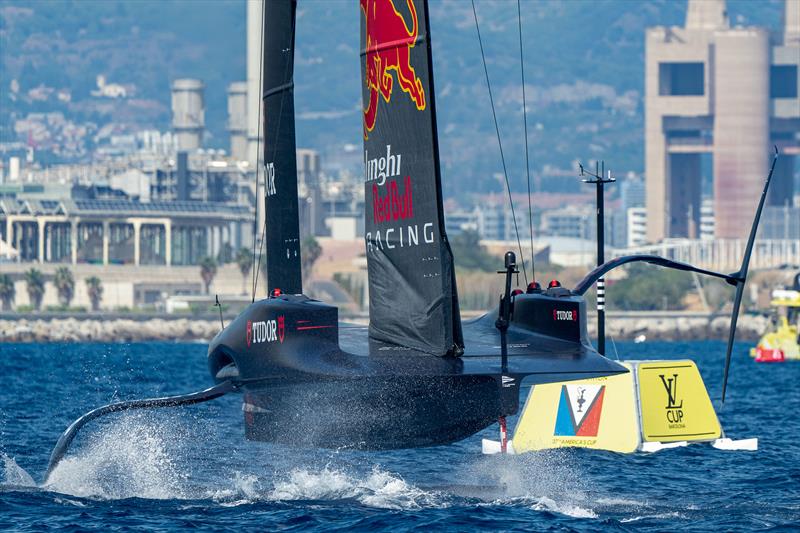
x,y
388,48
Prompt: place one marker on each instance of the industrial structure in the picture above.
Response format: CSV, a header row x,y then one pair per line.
x,y
254,33
728,92
188,113
237,120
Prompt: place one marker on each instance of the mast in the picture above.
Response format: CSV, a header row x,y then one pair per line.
x,y
412,287
599,179
280,159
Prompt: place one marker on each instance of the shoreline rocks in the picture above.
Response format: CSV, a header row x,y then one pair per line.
x,y
689,328
115,330
621,328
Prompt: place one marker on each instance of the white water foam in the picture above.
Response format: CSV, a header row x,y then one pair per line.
x,y
132,458
378,489
245,488
546,481
15,475
565,508
659,516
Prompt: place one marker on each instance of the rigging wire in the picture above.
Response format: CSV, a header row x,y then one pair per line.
x,y
277,129
499,141
527,159
254,266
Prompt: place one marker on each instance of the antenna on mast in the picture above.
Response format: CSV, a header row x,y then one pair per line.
x,y
599,179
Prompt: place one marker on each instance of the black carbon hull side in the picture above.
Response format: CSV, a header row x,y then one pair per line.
x,y
309,381
378,415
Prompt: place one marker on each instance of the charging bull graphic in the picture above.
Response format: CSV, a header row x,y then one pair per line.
x,y
388,48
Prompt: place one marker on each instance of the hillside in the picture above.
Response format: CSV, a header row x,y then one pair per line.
x,y
583,60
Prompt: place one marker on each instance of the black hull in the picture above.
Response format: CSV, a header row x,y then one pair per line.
x,y
309,381
379,415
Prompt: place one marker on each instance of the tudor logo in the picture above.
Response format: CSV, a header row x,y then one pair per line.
x,y
565,315
265,331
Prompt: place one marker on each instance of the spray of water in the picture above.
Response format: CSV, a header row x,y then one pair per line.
x,y
142,456
377,489
132,458
15,475
545,481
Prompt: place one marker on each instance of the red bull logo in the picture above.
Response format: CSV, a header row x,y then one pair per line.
x,y
388,48
393,205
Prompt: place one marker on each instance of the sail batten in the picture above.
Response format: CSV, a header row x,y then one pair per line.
x,y
280,159
413,300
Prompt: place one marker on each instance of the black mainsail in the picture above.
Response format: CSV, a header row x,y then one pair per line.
x,y
412,288
280,160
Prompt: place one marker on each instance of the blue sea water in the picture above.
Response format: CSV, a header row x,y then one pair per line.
x,y
191,467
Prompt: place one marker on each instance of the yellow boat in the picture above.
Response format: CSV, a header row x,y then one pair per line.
x,y
782,343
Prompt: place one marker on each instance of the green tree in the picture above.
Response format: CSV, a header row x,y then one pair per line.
x,y
310,251
94,287
649,288
65,285
208,270
7,291
34,282
225,255
244,260
470,254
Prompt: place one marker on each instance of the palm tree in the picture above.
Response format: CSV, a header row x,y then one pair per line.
x,y
244,260
34,282
65,285
7,291
95,289
208,269
225,254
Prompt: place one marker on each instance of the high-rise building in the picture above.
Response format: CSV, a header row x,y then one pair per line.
x,y
308,181
636,226
725,92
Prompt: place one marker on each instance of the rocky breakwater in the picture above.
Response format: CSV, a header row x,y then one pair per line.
x,y
620,326
681,327
74,329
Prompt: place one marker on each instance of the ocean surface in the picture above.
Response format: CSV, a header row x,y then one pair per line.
x,y
190,467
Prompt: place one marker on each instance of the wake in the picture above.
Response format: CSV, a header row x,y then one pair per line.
x,y
141,458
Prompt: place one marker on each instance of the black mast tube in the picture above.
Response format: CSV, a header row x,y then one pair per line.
x,y
599,180
280,158
601,283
